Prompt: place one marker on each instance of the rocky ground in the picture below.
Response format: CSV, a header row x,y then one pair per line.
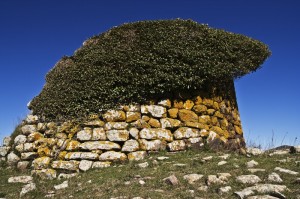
x,y
189,174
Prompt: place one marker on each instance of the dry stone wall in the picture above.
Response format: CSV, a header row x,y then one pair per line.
x,y
125,134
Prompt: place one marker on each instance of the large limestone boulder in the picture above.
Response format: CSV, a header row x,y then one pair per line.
x,y
32,137
12,158
32,119
115,125
67,165
114,116
117,135
41,163
28,155
187,115
176,145
112,156
99,134
101,145
137,155
99,164
169,123
81,155
158,133
186,132
85,134
130,145
72,145
85,165
153,145
154,110
27,129
4,150
20,139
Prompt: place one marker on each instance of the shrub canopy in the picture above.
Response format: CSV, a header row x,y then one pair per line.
x,y
138,61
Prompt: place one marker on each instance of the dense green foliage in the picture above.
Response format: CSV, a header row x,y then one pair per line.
x,y
139,61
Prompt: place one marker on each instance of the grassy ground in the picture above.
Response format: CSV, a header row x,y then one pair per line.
x,y
123,179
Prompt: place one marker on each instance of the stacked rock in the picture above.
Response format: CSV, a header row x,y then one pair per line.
x,y
125,134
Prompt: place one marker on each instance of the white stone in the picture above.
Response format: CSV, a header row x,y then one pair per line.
x,y
81,155
262,189
66,175
156,133
171,180
211,136
286,171
114,116
186,132
248,179
12,158
28,155
85,134
101,145
254,151
162,158
85,165
224,176
224,190
32,119
4,150
256,170
207,158
143,165
176,145
27,129
213,179
117,135
27,188
67,165
154,110
99,134
28,147
154,145
41,163
116,125
6,141
20,139
137,155
262,197
23,165
63,185
142,182
101,164
20,179
274,177
222,163
130,146
251,164
165,103
169,123
112,156
192,178
225,156
134,132
203,188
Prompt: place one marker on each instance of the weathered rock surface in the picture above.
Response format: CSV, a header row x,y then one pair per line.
x,y
158,133
186,132
85,165
67,165
153,145
137,155
112,156
63,185
27,188
177,145
101,145
20,179
282,170
248,179
192,178
117,135
154,110
172,180
130,146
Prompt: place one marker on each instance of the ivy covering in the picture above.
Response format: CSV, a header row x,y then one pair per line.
x,y
139,61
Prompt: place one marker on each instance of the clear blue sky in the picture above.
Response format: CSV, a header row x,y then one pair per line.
x,y
35,34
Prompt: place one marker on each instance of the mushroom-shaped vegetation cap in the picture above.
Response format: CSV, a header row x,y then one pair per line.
x,y
139,61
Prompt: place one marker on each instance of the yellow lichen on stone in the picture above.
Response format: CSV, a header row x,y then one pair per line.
x,y
173,112
216,106
187,115
215,121
204,133
211,111
197,125
198,100
218,114
72,145
132,116
208,102
220,131
44,151
178,104
238,130
188,104
200,108
154,123
224,124
61,155
205,119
